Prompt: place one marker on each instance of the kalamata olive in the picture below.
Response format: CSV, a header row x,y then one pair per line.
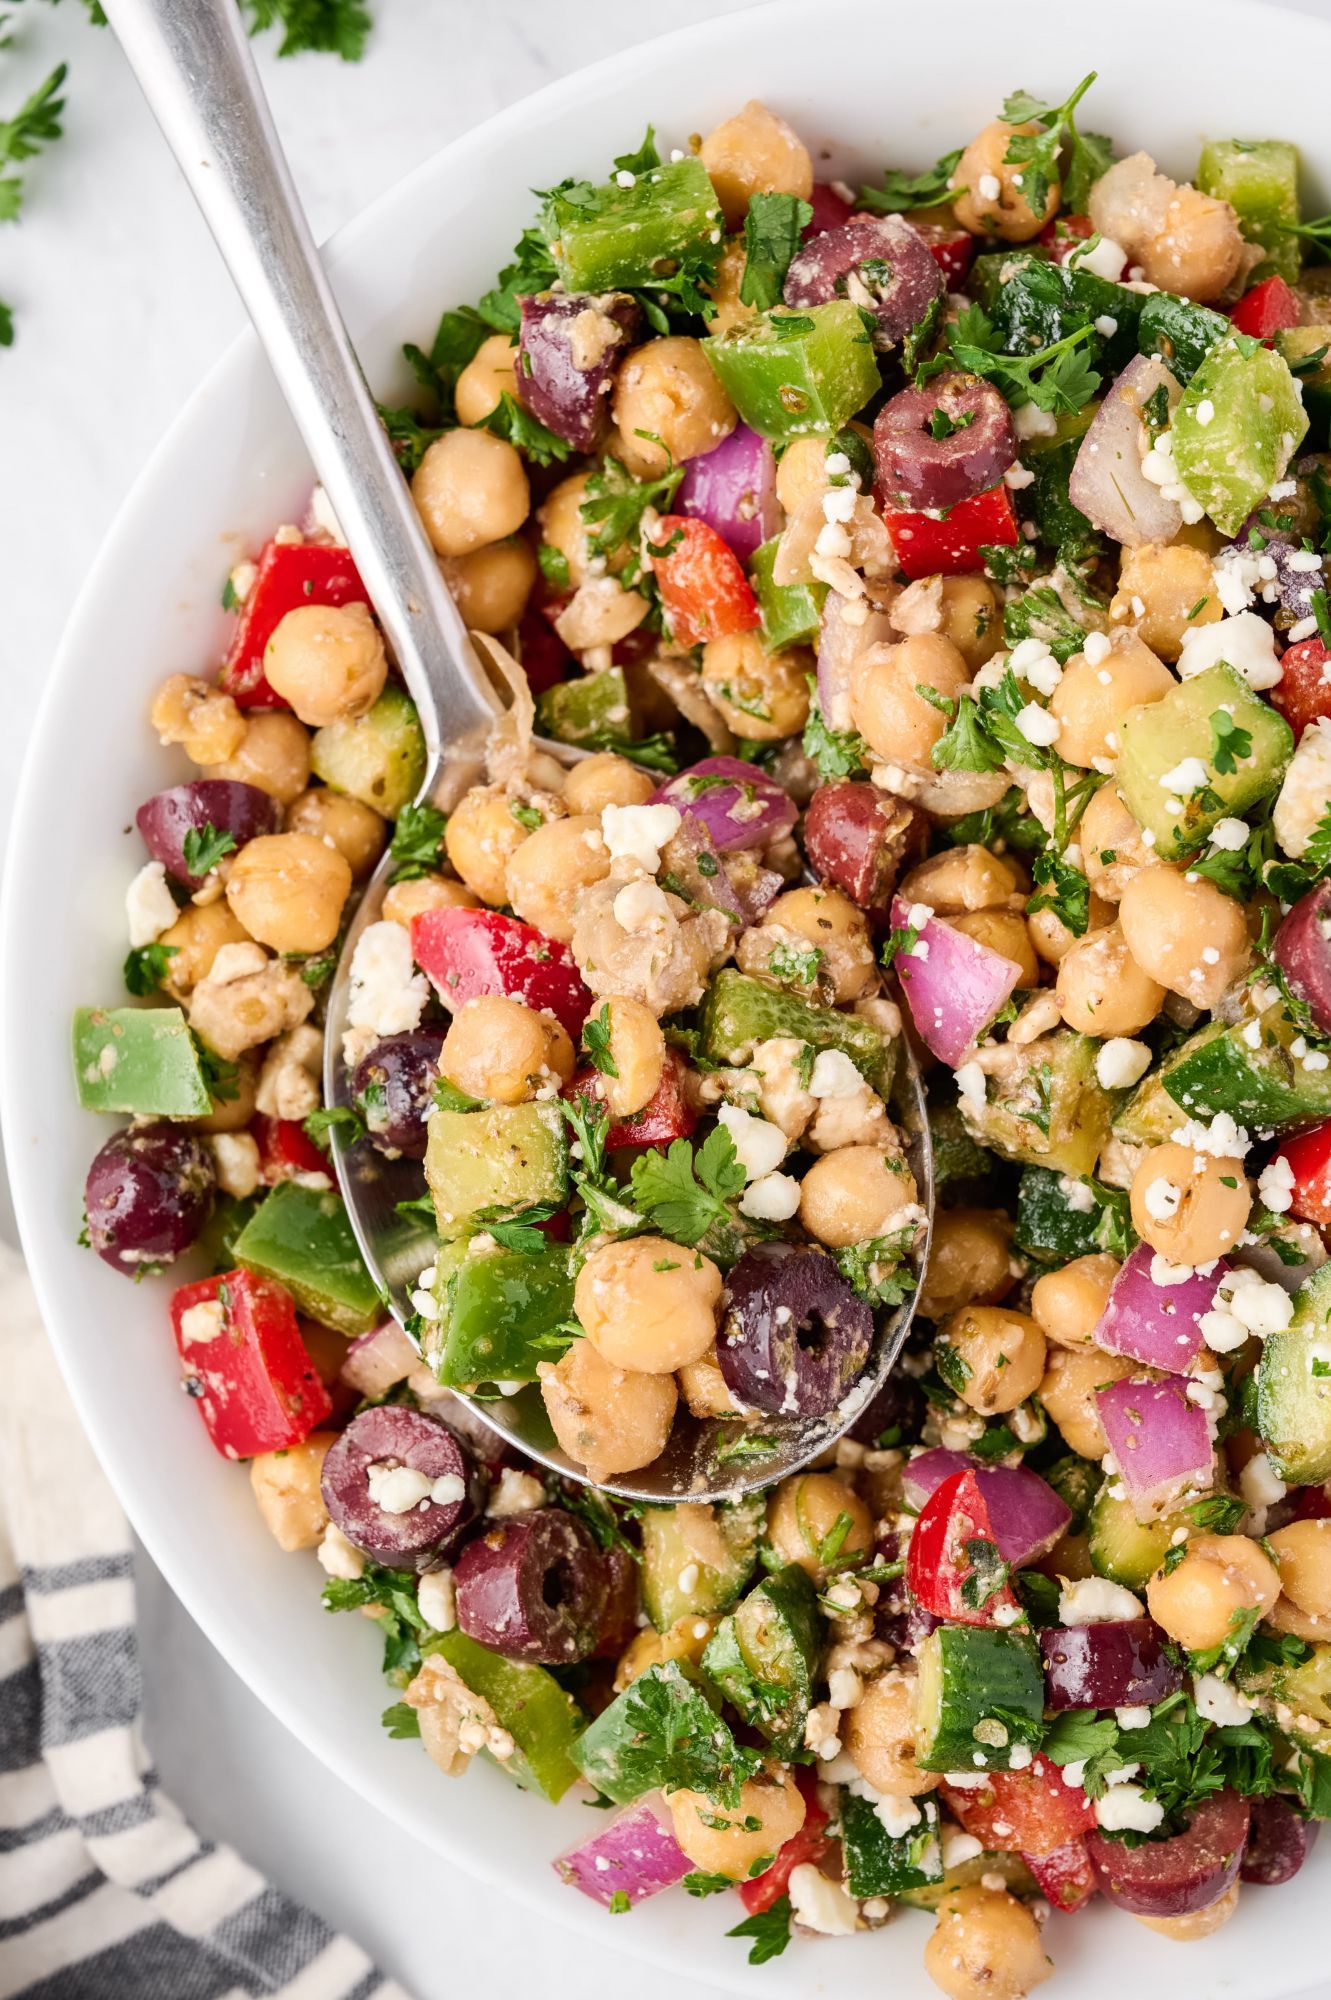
x,y
619,1620
794,1335
830,210
568,349
394,1086
400,1486
534,1588
876,261
1110,1665
148,1193
921,469
1171,1878
859,837
243,811
897,1407
1303,952
1279,1842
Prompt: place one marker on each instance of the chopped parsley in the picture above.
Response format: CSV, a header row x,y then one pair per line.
x,y
900,192
204,846
146,968
684,1192
515,424
1037,153
416,843
838,753
596,1041
768,1930
773,226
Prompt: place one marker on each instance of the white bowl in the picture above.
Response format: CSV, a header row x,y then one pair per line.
x,y
871,84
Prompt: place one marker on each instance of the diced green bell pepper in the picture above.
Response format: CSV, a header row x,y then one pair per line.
x,y
601,237
879,1863
739,1011
486,1166
139,1060
500,1312
1297,344
301,1237
1044,1104
1048,1227
529,1703
1259,178
791,613
791,373
1180,333
1237,427
1157,736
763,1658
378,757
590,711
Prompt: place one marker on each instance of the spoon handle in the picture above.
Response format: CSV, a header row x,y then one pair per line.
x,y
193,62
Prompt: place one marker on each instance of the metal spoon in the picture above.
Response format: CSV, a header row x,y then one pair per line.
x,y
193,63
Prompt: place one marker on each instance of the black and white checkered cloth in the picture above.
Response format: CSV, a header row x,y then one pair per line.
x,y
105,1892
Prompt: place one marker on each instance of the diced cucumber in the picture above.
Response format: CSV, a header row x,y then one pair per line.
x,y
1259,178
1051,460
956,1155
791,613
980,1688
486,1166
591,711
1236,428
623,1763
1010,1867
1076,1482
543,1720
301,1237
1298,344
1038,302
1180,333
1126,1550
712,1549
738,1012
1048,1227
1265,1088
139,1060
790,373
1304,1687
610,235
1045,1105
500,1314
1156,736
763,1657
879,1863
378,757
1294,1388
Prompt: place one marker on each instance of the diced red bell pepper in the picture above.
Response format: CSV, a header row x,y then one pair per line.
x,y
290,574
702,582
812,1843
951,246
285,1151
1266,310
1022,1812
469,952
830,210
247,1368
953,1566
667,1116
1309,1157
544,657
951,546
1303,692
1066,1877
1061,237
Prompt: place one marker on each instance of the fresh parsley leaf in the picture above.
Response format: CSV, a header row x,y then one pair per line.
x,y
902,938
619,1904
768,1930
530,269
877,1269
204,846
965,744
330,27
321,1125
699,1883
448,1097
641,161
1055,378
1229,743
1037,152
417,839
672,1738
773,226
684,1192
221,1079
512,421
942,426
799,967
1223,1658
1217,1514
409,436
35,124
554,566
615,503
596,1041
904,191
1063,889
520,1233
401,1721
146,968
838,753
744,1444
401,1623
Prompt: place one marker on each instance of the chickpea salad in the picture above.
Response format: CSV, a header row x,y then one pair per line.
x,y
934,577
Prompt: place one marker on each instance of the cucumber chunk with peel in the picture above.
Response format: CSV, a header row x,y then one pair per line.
x,y
979,1693
1259,178
1294,1388
1205,719
378,757
1236,429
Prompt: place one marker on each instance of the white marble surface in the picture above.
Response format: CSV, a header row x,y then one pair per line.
x,y
121,307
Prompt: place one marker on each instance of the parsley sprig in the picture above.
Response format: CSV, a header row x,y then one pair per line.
x,y
1055,378
772,229
1037,153
900,192
416,843
204,846
684,1192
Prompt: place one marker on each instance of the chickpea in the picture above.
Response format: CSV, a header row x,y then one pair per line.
x,y
606,780
1185,933
801,472
1200,250
804,1510
1092,698
1219,1577
503,1050
726,285
684,1640
1071,1378
233,1113
1196,1923
405,900
898,724
481,838
755,152
1051,937
828,920
549,871
491,586
1112,848
488,377
985,1946
274,755
668,387
648,1304
760,695
1101,988
1068,1305
962,878
286,1487
1303,1553
608,1419
879,1737
770,1812
638,1052
194,939
1175,587
971,618
1189,1206
1005,932
1004,211
1003,1353
289,891
564,529
470,489
357,831
853,1195
969,1261
327,661
704,1388
200,717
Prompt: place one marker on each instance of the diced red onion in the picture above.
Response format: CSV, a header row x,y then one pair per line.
x,y
733,489
1107,481
748,811
952,984
842,645
635,1855
1158,1325
375,1362
1026,1514
1161,1442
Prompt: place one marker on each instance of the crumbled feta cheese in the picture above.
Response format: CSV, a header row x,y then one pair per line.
x,y
1245,641
149,905
1120,1062
340,1558
1018,476
397,1489
958,1847
834,1075
437,1600
970,1080
638,833
1205,412
1275,1185
1189,775
1259,1483
1259,1305
1126,1807
989,187
641,906
388,995
773,1198
1230,835
1106,258
819,1904
1093,1600
517,1493
1219,1702
324,519
236,1157
1038,726
1133,1718
1222,1137
1096,649
760,1146
1161,1199
204,1321
1031,421
1303,796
